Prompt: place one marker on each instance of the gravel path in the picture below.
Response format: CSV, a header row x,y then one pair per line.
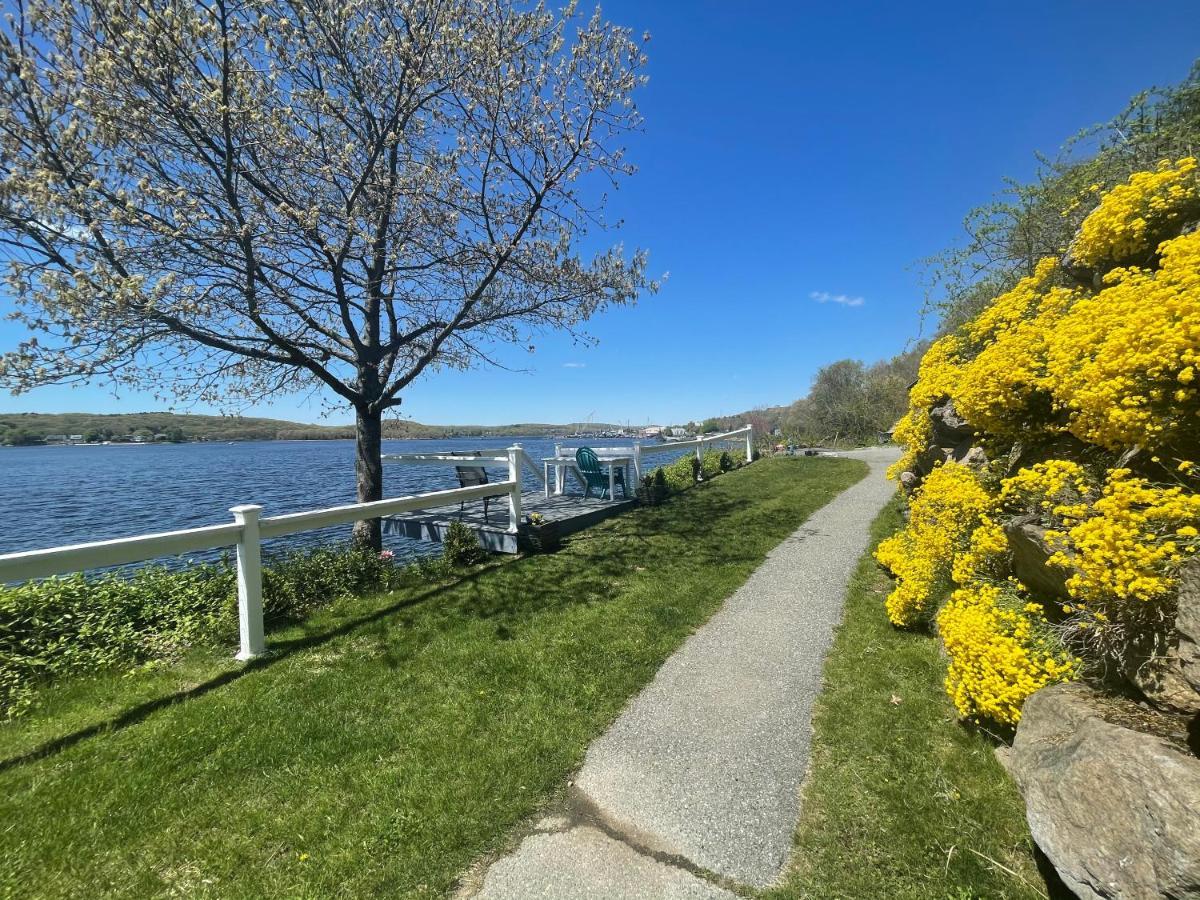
x,y
696,785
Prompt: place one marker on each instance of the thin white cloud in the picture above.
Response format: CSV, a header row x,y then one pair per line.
x,y
840,299
574,365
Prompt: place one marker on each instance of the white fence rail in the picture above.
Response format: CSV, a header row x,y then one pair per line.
x,y
480,459
247,532
638,450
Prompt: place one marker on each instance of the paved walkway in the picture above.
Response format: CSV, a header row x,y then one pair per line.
x,y
695,787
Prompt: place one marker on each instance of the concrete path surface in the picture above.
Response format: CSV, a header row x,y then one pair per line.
x,y
695,787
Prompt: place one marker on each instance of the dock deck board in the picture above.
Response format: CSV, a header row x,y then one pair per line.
x,y
572,512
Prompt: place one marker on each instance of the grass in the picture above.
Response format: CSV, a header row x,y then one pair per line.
x,y
388,741
901,800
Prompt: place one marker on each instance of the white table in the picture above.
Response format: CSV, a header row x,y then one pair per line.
x,y
562,463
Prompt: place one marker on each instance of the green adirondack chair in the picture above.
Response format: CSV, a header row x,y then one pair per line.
x,y
594,475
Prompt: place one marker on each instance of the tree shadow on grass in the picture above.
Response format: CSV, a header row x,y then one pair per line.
x,y
277,652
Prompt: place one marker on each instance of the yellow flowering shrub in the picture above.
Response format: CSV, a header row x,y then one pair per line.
x,y
1122,362
1004,389
986,555
913,432
1131,213
943,513
1051,484
1113,366
1124,545
939,372
1001,651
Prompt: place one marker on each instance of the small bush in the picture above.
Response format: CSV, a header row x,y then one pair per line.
x,y
710,465
680,474
460,546
726,461
296,584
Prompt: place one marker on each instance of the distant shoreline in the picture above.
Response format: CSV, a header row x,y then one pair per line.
x,y
32,429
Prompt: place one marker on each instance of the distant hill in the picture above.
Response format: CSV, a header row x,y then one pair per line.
x,y
35,428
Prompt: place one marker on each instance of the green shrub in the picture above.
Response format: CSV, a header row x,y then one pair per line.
x,y
680,474
726,461
77,624
296,584
460,546
710,464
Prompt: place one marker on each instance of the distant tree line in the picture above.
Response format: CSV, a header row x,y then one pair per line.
x,y
850,403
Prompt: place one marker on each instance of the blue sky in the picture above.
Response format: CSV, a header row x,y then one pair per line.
x,y
793,153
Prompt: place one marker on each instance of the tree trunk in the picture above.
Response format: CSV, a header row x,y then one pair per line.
x,y
368,467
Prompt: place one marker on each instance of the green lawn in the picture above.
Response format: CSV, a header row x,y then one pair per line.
x,y
388,741
901,800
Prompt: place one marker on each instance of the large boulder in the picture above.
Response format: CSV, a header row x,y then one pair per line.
x,y
1159,676
1168,672
1115,810
928,460
949,428
970,455
1187,623
1030,558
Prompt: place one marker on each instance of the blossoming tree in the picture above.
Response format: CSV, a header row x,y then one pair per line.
x,y
238,198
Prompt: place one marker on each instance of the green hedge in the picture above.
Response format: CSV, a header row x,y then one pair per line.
x,y
681,474
77,624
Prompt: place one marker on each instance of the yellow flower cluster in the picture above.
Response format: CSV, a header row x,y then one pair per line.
x,y
1114,367
1121,363
942,515
1124,545
1131,213
913,432
1000,652
986,555
1047,484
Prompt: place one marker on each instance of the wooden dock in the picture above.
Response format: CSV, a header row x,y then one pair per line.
x,y
571,512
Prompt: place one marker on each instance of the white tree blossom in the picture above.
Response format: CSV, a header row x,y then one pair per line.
x,y
236,198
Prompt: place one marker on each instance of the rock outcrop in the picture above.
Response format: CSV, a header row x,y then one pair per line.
x,y
1187,623
1030,558
949,428
1115,810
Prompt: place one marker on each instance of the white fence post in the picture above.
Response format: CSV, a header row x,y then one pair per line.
x,y
249,582
637,462
749,443
514,492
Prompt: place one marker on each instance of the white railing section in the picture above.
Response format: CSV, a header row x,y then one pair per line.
x,y
480,459
247,532
638,450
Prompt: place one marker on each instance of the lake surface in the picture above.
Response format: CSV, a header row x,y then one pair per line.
x,y
62,495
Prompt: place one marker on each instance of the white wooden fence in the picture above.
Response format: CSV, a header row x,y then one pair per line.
x,y
246,533
247,530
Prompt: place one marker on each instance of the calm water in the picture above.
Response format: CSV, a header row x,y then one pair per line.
x,y
62,495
